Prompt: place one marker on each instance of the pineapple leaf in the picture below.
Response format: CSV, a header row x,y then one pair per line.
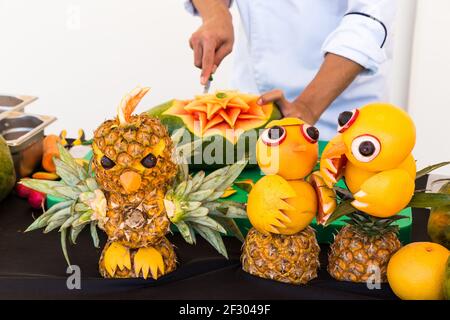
x,y
67,174
185,231
343,208
64,245
197,180
68,191
231,227
69,221
54,224
41,221
62,214
343,193
75,231
227,209
207,222
45,186
429,200
190,205
431,168
94,234
213,237
200,195
199,212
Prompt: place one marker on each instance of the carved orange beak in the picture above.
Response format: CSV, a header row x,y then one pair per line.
x,y
333,160
130,181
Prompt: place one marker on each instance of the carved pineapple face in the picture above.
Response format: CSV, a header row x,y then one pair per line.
x,y
134,157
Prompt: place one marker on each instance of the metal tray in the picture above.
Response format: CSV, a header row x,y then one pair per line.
x,y
24,134
10,103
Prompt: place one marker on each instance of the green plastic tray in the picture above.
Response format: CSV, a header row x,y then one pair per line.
x,y
324,235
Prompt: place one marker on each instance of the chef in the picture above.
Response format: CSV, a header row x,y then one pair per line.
x,y
314,58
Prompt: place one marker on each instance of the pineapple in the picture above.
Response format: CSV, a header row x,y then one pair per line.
x,y
140,177
363,246
285,258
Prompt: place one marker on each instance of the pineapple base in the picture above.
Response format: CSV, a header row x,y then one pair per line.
x,y
163,247
285,258
356,257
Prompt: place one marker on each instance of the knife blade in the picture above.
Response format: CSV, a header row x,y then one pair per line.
x,y
207,85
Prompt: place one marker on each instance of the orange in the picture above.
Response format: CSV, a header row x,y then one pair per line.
x,y
417,271
276,205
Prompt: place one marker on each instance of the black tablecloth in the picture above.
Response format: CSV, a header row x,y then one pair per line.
x,y
32,267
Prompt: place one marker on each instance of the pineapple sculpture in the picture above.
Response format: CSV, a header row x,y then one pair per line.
x,y
372,152
141,186
281,245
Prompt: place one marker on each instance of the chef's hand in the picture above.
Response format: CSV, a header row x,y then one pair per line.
x,y
295,109
213,41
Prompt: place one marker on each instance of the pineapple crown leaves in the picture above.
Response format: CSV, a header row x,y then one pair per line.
x,y
420,199
193,206
372,226
83,202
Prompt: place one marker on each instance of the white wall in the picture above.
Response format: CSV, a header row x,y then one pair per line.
x,y
429,97
81,56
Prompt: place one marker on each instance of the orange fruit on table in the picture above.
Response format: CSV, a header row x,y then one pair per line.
x,y
417,271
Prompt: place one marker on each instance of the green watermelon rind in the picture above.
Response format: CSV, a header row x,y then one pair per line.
x,y
173,123
7,172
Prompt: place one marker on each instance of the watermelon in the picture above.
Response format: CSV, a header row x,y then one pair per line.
x,y
228,122
7,173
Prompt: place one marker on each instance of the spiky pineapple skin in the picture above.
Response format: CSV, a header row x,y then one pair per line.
x,y
138,219
163,246
284,258
354,255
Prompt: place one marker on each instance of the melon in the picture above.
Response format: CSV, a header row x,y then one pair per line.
x,y
7,173
228,122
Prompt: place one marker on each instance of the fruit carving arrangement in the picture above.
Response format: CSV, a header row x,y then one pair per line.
x,y
138,184
281,245
141,185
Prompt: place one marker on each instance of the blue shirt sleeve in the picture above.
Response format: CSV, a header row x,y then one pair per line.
x,y
363,32
189,6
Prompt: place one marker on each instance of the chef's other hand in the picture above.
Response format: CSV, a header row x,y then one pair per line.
x,y
213,41
295,109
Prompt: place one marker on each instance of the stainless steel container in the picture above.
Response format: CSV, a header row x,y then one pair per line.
x,y
13,103
24,134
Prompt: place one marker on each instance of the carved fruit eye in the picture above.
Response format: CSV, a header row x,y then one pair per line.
x,y
346,119
310,133
149,161
273,136
107,163
365,148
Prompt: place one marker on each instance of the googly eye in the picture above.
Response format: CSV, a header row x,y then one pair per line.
x,y
107,163
310,133
346,119
149,161
365,148
273,136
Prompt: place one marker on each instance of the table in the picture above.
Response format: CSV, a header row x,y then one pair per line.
x,y
32,267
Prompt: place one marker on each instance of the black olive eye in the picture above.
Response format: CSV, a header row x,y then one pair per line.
x,y
365,148
107,163
346,119
273,136
149,161
275,132
310,133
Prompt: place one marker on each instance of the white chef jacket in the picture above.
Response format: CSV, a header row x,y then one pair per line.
x,y
282,45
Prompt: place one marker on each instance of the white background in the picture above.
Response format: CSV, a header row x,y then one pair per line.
x,y
81,56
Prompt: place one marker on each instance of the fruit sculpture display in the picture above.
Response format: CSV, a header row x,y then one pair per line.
x,y
141,185
418,271
372,152
7,172
281,245
439,221
227,122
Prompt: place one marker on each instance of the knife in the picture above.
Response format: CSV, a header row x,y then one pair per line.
x,y
207,85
